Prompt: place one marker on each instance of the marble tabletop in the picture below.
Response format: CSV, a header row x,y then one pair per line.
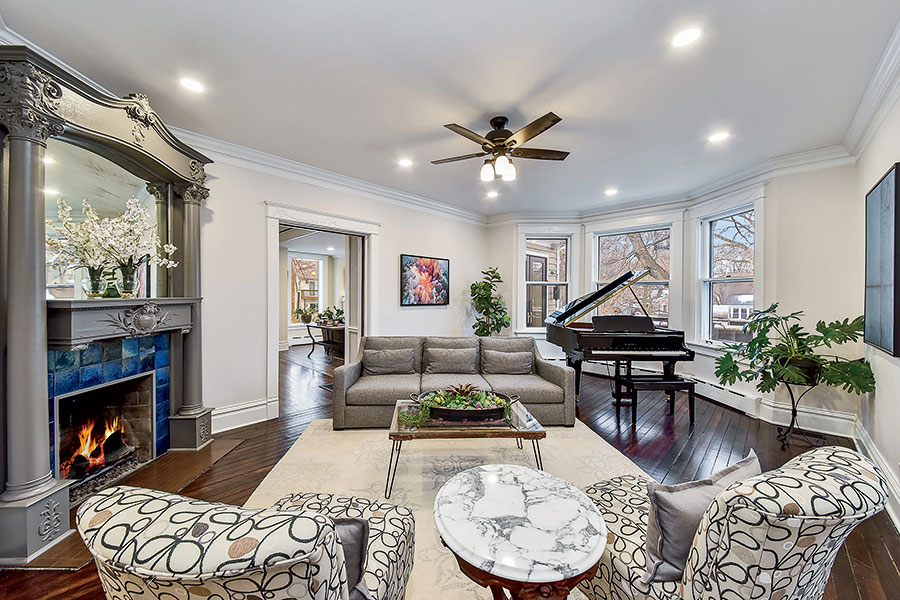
x,y
519,523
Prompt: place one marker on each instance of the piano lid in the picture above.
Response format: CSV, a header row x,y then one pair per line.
x,y
575,309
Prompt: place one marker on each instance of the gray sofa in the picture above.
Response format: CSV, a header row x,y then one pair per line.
x,y
366,390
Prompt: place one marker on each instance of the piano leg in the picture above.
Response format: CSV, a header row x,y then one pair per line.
x,y
620,396
576,364
669,373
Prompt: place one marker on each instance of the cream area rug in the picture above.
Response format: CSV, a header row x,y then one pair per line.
x,y
355,462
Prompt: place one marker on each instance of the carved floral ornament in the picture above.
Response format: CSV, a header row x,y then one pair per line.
x,y
29,101
192,193
143,115
139,321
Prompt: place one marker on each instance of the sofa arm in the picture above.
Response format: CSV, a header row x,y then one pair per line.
x,y
138,535
344,377
564,377
392,533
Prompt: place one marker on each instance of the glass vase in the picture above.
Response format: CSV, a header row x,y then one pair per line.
x,y
95,284
128,284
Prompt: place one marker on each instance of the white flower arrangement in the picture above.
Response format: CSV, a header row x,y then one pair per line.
x,y
126,241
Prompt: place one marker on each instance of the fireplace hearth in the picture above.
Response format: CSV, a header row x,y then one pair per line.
x,y
104,432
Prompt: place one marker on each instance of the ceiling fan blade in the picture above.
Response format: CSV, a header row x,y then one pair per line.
x,y
538,153
456,158
469,134
536,127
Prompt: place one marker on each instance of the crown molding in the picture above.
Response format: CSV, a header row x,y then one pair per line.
x,y
257,160
788,164
880,96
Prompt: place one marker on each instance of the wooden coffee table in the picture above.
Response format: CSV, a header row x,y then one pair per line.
x,y
521,426
513,528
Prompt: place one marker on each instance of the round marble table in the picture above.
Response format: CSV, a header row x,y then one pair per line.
x,y
515,528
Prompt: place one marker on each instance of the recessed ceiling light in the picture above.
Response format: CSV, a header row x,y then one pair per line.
x,y
686,37
611,191
719,136
192,84
330,248
50,192
492,194
48,160
405,162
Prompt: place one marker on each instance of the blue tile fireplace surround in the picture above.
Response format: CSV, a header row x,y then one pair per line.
x,y
110,361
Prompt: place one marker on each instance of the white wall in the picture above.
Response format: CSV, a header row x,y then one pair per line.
x,y
880,413
233,242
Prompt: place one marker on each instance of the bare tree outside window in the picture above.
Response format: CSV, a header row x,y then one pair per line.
x,y
729,284
635,251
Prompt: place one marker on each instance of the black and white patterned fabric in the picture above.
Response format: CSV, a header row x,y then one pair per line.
x,y
773,536
149,544
392,531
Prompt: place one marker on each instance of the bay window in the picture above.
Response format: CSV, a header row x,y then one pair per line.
x,y
546,278
636,251
728,276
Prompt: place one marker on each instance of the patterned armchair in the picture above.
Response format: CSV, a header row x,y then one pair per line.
x,y
775,535
150,545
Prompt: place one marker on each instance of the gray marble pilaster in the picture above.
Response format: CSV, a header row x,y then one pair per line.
x,y
4,217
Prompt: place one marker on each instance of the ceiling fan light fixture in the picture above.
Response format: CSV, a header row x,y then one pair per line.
x,y
509,173
501,163
487,171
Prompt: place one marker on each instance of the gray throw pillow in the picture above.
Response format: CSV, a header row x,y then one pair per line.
x,y
676,512
451,360
388,362
506,363
354,536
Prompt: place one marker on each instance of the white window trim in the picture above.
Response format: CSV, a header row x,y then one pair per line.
x,y
704,281
574,235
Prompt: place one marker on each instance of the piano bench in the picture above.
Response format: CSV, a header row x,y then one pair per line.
x,y
658,382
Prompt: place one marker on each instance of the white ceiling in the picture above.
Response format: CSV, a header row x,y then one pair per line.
x,y
352,86
318,242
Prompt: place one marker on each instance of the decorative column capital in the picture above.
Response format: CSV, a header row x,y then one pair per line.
x,y
192,193
29,102
160,191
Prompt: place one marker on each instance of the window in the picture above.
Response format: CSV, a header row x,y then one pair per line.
x,y
304,286
622,252
728,284
546,278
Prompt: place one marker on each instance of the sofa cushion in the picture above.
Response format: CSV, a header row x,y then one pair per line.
x,y
451,360
531,389
388,362
507,363
440,381
383,390
395,343
507,344
676,512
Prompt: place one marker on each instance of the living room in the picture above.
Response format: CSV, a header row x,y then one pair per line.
x,y
729,158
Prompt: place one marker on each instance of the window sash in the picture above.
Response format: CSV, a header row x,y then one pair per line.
x,y
707,282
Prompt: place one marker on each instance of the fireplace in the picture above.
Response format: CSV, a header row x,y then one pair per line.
x,y
105,432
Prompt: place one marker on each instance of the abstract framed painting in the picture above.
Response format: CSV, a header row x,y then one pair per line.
x,y
424,280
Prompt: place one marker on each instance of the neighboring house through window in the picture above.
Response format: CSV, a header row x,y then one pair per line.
x,y
546,278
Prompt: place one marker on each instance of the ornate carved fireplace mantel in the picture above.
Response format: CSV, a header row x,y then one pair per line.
x,y
38,101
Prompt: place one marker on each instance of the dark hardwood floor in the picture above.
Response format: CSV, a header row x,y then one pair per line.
x,y
663,445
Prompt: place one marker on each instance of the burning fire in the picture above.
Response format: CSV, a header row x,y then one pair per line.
x,y
90,447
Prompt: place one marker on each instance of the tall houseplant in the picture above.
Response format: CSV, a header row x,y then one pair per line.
x,y
493,316
781,351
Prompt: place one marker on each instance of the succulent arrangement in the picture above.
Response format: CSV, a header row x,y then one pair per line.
x,y
458,397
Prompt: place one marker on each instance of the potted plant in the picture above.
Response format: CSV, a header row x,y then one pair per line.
x,y
338,314
492,313
327,316
781,351
305,313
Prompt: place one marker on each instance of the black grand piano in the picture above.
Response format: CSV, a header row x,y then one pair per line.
x,y
614,338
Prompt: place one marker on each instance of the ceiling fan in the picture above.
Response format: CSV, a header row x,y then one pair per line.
x,y
502,145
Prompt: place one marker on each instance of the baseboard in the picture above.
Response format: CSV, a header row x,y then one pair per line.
x,y
225,418
283,345
820,420
866,445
